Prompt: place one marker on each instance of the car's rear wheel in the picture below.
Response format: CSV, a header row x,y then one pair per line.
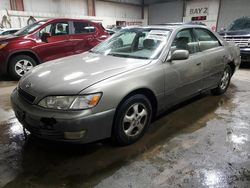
x,y
224,82
20,64
132,119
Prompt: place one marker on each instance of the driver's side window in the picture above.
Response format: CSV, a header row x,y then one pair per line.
x,y
185,40
56,29
46,29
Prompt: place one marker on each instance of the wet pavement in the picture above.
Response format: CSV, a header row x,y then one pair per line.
x,y
204,142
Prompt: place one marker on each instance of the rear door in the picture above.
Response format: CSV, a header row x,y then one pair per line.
x,y
213,57
184,77
58,44
83,36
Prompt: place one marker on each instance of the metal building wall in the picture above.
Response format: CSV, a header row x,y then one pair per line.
x,y
117,10
171,11
231,10
57,7
4,4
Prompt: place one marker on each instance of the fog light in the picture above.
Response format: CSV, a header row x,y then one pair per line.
x,y
74,135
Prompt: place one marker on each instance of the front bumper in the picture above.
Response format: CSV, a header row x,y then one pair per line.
x,y
245,54
62,125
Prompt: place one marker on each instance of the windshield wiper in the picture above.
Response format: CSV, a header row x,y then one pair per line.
x,y
125,55
118,55
139,57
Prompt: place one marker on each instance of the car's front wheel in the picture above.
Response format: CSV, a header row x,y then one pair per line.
x,y
132,119
19,65
224,82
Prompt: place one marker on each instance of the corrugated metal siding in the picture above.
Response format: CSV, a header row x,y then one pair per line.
x,y
231,10
166,12
109,9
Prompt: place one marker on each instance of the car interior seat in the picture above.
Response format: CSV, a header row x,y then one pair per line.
x,y
182,43
149,44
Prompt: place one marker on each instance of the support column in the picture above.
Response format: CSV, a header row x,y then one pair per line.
x,y
16,5
91,7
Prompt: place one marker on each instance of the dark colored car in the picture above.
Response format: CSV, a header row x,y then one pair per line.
x,y
239,33
47,40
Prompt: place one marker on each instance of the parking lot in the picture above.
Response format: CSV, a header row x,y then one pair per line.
x,y
203,142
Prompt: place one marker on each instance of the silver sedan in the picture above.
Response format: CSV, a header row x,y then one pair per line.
x,y
115,89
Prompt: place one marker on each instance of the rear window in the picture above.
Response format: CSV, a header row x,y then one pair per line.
x,y
83,27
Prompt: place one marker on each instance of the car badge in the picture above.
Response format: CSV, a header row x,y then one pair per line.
x,y
28,85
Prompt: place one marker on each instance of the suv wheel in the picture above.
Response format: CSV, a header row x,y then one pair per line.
x,y
224,82
20,64
132,119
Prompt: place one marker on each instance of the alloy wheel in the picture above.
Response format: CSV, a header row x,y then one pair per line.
x,y
23,66
225,79
135,119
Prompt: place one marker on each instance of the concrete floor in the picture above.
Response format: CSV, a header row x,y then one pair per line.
x,y
204,142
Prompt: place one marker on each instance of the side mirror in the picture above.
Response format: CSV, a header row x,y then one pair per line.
x,y
180,55
45,37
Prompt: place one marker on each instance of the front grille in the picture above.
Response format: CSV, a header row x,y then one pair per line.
x,y
239,40
28,97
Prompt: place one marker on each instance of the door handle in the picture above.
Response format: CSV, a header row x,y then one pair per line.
x,y
198,64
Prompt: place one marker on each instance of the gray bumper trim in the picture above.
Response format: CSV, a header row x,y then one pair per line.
x,y
51,124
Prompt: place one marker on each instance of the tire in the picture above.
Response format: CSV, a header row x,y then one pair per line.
x,y
19,65
224,82
130,124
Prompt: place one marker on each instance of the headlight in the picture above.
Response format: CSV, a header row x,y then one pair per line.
x,y
70,102
2,45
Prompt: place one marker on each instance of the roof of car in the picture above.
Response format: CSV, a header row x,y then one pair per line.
x,y
172,26
63,19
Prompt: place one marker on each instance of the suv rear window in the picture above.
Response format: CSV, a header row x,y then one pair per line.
x,y
83,27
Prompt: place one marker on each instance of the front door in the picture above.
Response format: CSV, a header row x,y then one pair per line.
x,y
58,44
184,77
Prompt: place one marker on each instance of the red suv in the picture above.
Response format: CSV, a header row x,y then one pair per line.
x,y
47,40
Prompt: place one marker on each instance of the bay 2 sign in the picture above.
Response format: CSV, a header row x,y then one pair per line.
x,y
198,11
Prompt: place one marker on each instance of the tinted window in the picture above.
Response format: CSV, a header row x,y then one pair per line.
x,y
13,31
56,29
6,33
9,32
28,29
184,40
240,24
83,27
207,40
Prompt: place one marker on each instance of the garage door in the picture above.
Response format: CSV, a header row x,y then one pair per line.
x,y
165,12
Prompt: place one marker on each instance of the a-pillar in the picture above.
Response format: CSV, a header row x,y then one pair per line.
x,y
91,7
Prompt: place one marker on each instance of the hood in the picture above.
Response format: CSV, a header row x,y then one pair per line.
x,y
70,75
238,33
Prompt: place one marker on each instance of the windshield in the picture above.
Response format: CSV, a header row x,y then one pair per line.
x,y
28,29
240,24
134,43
